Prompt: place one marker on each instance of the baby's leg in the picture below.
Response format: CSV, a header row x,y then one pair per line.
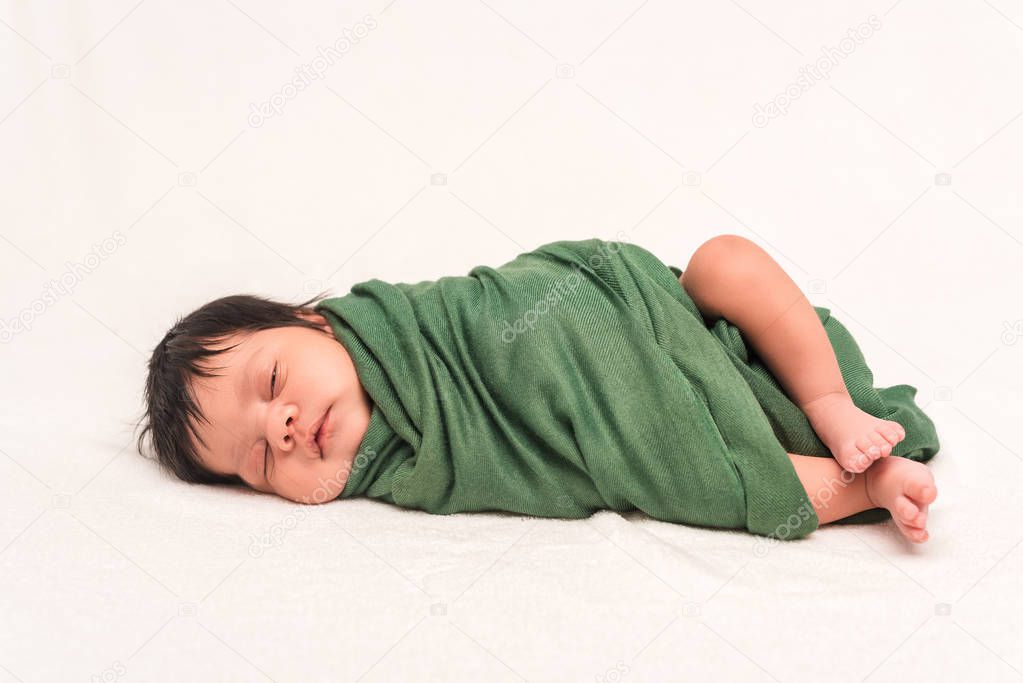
x,y
903,487
731,277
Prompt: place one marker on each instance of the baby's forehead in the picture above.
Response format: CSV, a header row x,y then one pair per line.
x,y
215,385
223,355
217,373
215,404
243,343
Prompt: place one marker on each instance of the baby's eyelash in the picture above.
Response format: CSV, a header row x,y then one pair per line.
x,y
266,451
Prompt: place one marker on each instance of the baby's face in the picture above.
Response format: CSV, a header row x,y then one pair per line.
x,y
250,430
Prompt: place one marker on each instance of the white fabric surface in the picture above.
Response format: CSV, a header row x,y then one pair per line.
x,y
130,121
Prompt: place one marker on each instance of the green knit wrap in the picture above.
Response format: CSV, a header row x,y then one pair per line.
x,y
578,377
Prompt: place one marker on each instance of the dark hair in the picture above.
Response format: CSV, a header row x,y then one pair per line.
x,y
171,413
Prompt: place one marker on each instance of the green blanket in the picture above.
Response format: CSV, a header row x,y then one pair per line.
x,y
581,376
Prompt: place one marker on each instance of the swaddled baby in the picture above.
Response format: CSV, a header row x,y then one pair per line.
x,y
582,375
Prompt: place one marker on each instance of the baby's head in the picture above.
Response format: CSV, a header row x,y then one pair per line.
x,y
235,393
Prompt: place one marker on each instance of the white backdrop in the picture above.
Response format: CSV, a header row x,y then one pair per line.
x,y
156,155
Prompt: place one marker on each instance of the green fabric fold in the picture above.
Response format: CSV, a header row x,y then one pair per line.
x,y
581,376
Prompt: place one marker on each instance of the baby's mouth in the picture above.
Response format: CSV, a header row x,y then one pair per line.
x,y
320,433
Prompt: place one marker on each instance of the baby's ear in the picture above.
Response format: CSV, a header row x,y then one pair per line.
x,y
317,319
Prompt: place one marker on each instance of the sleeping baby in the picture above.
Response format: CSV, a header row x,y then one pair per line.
x,y
580,376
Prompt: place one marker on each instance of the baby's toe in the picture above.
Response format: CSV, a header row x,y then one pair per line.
x,y
905,511
892,431
913,533
881,443
920,519
868,448
922,492
890,435
853,460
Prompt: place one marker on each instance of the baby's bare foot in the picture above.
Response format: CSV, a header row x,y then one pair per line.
x,y
855,438
905,488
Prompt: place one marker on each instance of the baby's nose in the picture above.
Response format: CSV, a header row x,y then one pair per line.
x,y
291,435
